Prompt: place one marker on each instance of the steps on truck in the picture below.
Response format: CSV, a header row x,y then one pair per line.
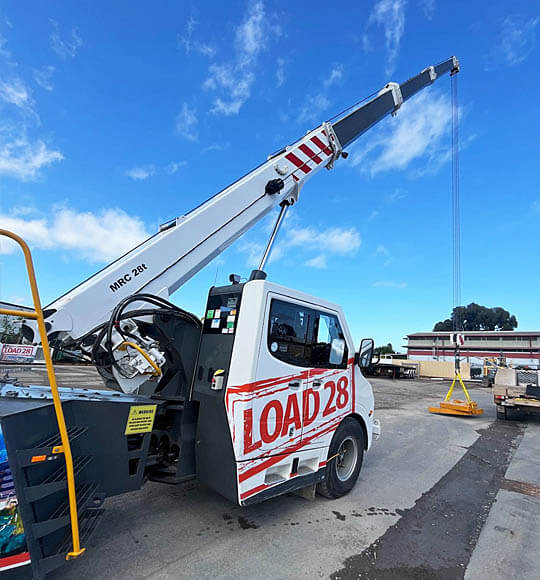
x,y
48,529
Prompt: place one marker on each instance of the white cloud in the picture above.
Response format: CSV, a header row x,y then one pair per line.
x,y
250,35
335,240
311,245
24,159
174,166
318,262
216,147
191,44
233,80
43,77
143,172
419,131
374,213
390,15
389,284
21,156
186,40
98,237
4,52
383,254
382,251
313,108
428,7
236,87
15,93
186,123
335,76
280,72
395,195
366,43
65,47
518,38
254,252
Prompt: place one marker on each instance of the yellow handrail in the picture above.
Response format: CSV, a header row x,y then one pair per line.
x,y
66,448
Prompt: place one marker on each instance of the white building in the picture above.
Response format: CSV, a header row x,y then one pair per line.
x,y
518,347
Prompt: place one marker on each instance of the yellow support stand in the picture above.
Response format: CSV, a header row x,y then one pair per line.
x,y
457,407
37,315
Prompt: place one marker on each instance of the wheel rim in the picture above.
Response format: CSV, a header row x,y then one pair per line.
x,y
347,457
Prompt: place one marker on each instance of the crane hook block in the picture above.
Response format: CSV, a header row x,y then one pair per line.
x,y
274,186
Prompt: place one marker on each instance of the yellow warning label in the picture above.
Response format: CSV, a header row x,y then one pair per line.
x,y
141,419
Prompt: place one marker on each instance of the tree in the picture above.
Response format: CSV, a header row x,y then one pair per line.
x,y
8,333
387,349
477,317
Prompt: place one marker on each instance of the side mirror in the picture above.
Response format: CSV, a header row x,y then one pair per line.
x,y
365,353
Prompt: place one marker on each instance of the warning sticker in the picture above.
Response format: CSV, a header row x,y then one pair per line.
x,y
141,419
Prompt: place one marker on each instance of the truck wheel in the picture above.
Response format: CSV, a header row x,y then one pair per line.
x,y
502,413
344,460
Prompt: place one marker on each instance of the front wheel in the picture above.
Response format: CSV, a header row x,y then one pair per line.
x,y
344,460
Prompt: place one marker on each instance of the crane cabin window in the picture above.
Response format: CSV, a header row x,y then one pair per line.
x,y
288,329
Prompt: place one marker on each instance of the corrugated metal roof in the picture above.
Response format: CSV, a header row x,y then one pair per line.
x,y
478,333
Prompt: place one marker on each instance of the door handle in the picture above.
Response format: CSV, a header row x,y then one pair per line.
x,y
317,384
294,384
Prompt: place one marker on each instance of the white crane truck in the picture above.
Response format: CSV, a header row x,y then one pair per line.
x,y
263,397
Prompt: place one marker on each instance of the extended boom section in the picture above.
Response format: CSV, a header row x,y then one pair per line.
x,y
171,257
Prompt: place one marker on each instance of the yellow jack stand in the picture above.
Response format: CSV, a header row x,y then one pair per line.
x,y
457,407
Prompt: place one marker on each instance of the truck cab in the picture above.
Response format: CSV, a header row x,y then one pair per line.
x,y
276,376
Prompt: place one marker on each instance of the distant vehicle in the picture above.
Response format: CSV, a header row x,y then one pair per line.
x,y
516,390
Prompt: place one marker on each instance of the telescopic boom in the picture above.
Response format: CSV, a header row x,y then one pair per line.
x,y
165,261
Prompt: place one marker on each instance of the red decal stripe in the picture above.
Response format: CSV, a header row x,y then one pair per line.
x,y
277,458
321,145
14,561
302,165
253,491
311,154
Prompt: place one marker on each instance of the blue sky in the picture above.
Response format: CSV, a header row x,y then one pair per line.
x,y
116,117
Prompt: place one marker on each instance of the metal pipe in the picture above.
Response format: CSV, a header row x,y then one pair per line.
x,y
277,225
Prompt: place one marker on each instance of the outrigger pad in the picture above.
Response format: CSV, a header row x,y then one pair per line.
x,y
457,407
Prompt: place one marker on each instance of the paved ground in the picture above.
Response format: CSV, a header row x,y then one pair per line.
x,y
438,498
66,375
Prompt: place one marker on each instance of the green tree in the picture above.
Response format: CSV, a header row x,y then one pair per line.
x,y
477,317
8,334
387,349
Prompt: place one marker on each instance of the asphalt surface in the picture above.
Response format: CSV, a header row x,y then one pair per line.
x,y
438,497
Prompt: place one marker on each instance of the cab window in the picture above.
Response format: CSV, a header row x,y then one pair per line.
x,y
288,332
329,349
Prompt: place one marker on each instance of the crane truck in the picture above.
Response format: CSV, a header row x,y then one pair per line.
x,y
263,396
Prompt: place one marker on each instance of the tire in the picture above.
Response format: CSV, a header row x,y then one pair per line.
x,y
342,471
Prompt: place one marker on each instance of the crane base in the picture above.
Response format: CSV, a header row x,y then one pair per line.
x,y
457,407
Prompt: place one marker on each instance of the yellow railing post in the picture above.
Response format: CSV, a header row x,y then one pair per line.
x,y
66,448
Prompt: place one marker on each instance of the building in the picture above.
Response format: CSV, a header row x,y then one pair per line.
x,y
518,347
